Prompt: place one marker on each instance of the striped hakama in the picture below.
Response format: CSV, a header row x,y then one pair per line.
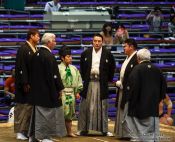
x,y
145,130
120,131
22,115
48,122
93,111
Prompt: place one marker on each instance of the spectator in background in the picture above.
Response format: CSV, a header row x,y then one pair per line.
x,y
155,19
172,12
171,27
9,86
114,12
121,34
107,34
165,118
23,110
146,87
72,82
52,6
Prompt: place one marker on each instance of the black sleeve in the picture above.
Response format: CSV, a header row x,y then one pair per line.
x,y
112,67
82,66
58,81
133,88
22,64
163,88
52,72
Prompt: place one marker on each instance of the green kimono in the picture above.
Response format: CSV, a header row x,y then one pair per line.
x,y
72,82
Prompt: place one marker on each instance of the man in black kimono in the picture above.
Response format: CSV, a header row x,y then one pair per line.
x,y
22,111
97,67
46,86
146,88
130,49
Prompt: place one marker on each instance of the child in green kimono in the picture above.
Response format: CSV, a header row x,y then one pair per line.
x,y
72,81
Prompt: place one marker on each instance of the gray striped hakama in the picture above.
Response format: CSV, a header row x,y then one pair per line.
x,y
120,131
144,130
93,111
49,122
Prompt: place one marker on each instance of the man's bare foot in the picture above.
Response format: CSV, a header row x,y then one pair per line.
x,y
72,135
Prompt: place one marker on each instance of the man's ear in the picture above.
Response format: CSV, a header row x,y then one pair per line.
x,y
31,36
132,46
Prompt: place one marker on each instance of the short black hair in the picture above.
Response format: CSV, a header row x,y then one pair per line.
x,y
64,50
131,41
32,32
98,35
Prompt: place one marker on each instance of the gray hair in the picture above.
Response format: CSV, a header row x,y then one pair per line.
x,y
47,37
144,55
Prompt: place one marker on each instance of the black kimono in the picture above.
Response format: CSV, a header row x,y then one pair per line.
x,y
106,69
146,88
22,72
93,114
47,117
22,111
45,80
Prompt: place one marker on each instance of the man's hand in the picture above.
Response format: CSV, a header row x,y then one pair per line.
x,y
60,95
77,96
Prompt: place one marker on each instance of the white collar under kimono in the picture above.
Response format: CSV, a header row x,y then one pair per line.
x,y
34,49
123,68
96,56
46,47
